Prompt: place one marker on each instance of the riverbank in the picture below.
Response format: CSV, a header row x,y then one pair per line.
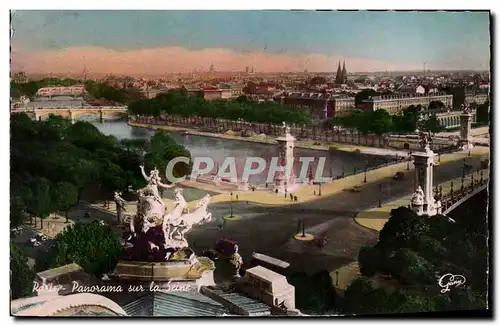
x,y
263,139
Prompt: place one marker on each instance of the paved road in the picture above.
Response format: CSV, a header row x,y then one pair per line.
x,y
270,229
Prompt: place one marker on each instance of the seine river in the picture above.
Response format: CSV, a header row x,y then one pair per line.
x,y
220,149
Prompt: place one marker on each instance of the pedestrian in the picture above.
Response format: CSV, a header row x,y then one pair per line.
x,y
291,197
314,192
237,197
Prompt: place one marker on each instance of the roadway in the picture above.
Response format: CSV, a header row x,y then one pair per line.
x,y
269,229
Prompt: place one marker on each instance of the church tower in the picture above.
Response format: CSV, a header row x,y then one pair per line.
x,y
344,74
338,77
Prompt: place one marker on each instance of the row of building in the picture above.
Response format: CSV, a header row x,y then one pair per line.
x,y
395,104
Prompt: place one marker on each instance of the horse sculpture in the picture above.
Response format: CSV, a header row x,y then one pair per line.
x,y
186,222
173,215
149,210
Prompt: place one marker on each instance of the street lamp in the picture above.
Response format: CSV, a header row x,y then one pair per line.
x,y
366,168
231,203
380,199
303,228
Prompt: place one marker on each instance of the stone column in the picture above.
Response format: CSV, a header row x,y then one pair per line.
x,y
424,177
465,130
286,144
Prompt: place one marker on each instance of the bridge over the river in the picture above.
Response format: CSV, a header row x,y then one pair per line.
x,y
73,113
455,198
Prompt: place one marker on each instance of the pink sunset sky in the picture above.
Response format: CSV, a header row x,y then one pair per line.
x,y
159,42
176,59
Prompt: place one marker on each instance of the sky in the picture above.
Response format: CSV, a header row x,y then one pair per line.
x,y
156,42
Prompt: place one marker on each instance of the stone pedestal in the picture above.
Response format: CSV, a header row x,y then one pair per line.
x,y
283,182
193,272
424,204
465,131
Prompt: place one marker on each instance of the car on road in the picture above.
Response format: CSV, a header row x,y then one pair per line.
x,y
320,241
398,176
356,189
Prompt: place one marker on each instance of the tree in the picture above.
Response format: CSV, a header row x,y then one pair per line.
x,y
163,150
65,196
361,297
431,124
483,113
40,202
93,246
413,252
408,267
21,274
381,122
363,95
314,293
436,105
369,259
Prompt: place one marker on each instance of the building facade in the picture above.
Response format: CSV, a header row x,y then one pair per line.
x,y
320,105
477,98
395,104
62,91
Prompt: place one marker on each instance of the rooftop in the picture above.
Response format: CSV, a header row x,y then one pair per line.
x,y
59,271
266,274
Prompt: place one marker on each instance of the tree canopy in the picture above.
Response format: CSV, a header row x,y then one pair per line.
x,y
93,246
53,161
314,294
21,274
412,253
483,112
380,122
176,103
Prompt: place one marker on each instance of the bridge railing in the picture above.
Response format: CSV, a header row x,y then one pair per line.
x,y
468,184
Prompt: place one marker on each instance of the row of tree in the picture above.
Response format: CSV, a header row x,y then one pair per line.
x,y
380,122
176,103
96,90
54,161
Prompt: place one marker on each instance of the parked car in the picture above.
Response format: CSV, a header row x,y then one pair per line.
x,y
398,176
320,241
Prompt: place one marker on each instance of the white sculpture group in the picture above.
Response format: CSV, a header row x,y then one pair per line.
x,y
151,212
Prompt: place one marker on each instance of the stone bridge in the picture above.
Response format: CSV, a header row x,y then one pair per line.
x,y
455,198
73,113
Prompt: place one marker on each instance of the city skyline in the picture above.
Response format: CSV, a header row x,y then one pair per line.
x,y
158,42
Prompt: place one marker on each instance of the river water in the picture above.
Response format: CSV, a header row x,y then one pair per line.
x,y
219,149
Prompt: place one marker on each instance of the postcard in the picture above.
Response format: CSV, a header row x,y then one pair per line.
x,y
249,163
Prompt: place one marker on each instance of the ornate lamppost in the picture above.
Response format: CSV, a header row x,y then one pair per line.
x,y
231,203
366,168
408,163
380,199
